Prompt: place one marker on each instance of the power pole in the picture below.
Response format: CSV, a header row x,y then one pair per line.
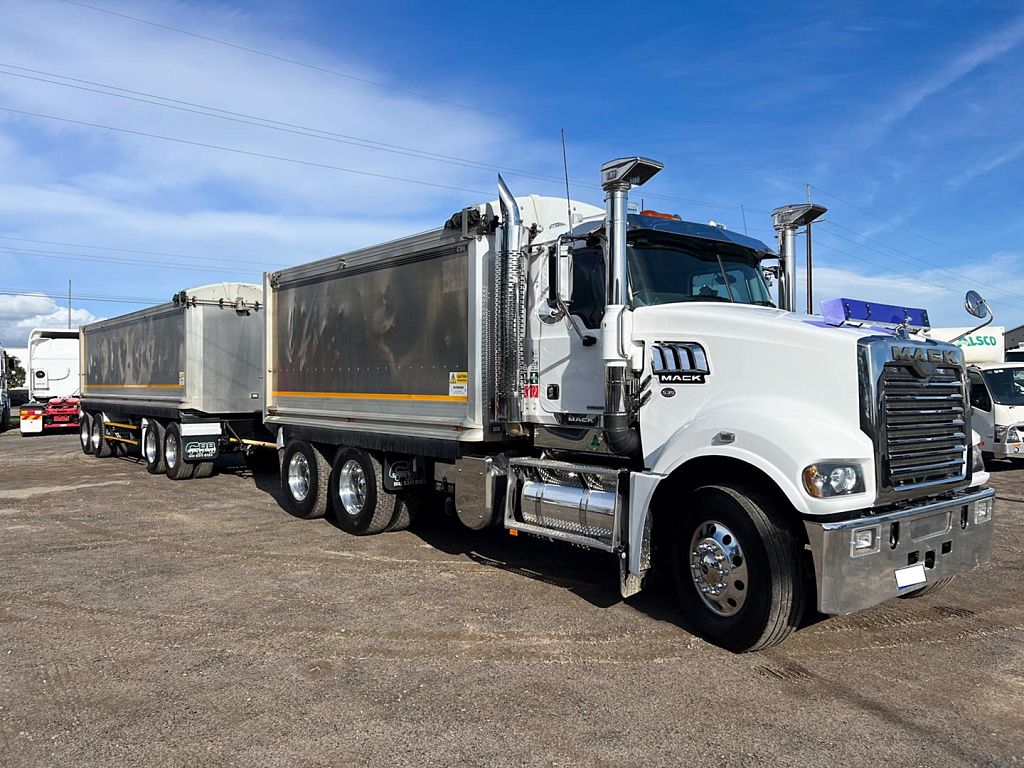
x,y
69,304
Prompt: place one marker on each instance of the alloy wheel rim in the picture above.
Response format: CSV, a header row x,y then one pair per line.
x,y
151,446
352,488
83,432
298,477
718,568
97,429
171,451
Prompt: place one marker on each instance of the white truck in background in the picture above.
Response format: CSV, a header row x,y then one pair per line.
x,y
997,390
52,381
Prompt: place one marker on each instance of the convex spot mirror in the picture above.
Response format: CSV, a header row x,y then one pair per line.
x,y
976,305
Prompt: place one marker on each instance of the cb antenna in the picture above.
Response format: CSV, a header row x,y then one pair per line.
x,y
565,167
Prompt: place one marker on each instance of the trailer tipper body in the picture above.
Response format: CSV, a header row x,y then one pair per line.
x,y
52,380
624,382
182,381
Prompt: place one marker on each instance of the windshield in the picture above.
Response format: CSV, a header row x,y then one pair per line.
x,y
665,273
1006,385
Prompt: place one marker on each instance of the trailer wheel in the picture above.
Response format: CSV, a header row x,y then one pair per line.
x,y
85,433
359,502
738,568
202,470
153,447
929,588
101,448
174,454
305,476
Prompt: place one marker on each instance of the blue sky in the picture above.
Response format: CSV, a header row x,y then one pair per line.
x,y
906,119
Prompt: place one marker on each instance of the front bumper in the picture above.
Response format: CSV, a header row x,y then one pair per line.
x,y
1008,450
940,535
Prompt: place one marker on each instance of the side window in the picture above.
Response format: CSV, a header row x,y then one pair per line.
x,y
979,393
588,286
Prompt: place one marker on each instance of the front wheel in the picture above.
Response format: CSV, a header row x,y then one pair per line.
x,y
738,568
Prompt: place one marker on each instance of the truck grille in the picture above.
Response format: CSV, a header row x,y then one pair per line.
x,y
926,430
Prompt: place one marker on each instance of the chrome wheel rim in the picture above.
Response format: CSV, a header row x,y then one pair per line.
x,y
97,433
298,477
171,451
718,568
150,444
83,432
352,488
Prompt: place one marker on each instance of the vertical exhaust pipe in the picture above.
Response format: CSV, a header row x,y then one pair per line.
x,y
509,310
786,221
617,177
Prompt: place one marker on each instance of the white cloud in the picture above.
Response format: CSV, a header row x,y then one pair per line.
x,y
987,49
21,314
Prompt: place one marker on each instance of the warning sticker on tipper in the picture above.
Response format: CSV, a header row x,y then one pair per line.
x,y
458,384
181,378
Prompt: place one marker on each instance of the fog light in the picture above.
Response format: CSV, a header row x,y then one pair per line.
x,y
983,510
864,541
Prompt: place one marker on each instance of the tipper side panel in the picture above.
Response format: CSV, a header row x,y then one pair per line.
x,y
383,346
140,357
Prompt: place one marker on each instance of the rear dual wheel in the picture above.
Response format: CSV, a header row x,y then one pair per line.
x,y
85,433
359,502
101,447
153,447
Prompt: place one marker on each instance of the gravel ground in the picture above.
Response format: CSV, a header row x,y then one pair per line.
x,y
147,622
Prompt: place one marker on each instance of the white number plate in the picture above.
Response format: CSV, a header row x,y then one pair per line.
x,y
910,576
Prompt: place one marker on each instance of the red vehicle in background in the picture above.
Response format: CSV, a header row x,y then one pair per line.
x,y
53,381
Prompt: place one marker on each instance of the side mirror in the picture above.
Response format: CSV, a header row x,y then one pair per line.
x,y
976,305
560,274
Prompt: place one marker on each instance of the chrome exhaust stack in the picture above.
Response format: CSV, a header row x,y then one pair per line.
x,y
510,312
617,177
786,221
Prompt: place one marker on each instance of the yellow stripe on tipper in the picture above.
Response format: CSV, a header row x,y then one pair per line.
x,y
376,396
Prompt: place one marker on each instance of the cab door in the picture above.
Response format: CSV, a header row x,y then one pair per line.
x,y
570,371
982,414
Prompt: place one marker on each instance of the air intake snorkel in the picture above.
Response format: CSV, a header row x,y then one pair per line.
x,y
617,177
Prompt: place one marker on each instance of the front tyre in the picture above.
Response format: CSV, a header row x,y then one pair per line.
x,y
304,478
738,568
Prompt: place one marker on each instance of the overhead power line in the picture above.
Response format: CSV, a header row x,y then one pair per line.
x,y
910,259
205,259
26,292
63,256
258,121
296,62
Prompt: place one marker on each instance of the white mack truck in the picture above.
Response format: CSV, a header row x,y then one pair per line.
x,y
625,382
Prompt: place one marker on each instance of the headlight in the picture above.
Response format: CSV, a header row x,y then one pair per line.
x,y
977,460
833,479
1013,435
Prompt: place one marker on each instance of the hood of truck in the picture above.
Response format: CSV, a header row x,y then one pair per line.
x,y
782,391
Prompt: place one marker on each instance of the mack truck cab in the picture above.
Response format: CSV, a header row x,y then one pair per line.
x,y
766,458
624,381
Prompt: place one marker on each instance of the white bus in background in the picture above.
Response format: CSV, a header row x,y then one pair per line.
x,y
52,380
997,390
